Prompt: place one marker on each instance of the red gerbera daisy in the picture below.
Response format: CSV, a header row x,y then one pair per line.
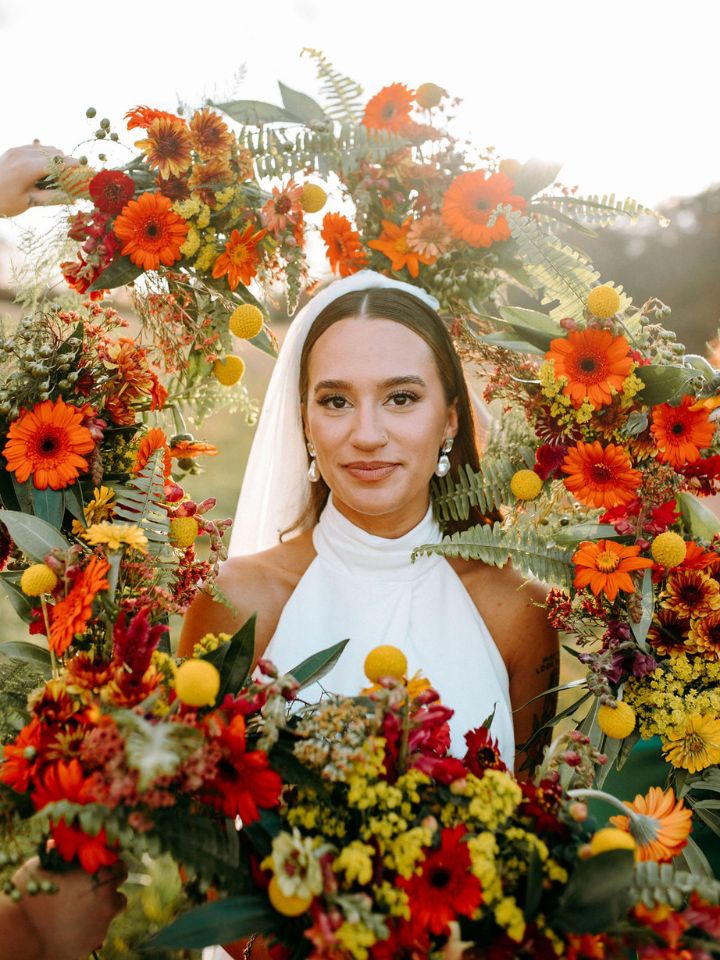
x,y
681,432
71,614
482,752
111,190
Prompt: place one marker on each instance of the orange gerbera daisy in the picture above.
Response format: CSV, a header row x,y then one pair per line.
x,y
389,109
344,247
691,593
153,440
211,136
698,559
393,243
704,636
681,432
241,257
469,202
595,363
70,615
48,443
605,565
167,147
665,826
151,231
189,449
143,116
600,477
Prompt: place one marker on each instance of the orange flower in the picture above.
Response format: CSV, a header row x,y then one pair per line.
x,y
691,593
20,757
393,243
606,566
704,636
594,362
668,632
167,147
698,559
600,477
211,136
151,231
666,824
469,202
144,116
189,449
429,236
70,615
153,440
207,178
241,257
47,443
389,109
681,432
344,247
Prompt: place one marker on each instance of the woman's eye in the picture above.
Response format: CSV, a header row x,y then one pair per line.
x,y
334,402
402,399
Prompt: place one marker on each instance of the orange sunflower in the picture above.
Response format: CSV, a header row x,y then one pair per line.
x,y
470,201
211,136
665,826
595,363
393,243
48,443
600,477
71,614
344,247
389,109
681,432
143,116
167,147
605,565
151,231
241,257
691,593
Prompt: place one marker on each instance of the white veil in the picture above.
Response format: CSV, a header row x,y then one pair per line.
x,y
275,487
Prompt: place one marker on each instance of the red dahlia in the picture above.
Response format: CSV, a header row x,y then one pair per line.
x,y
111,190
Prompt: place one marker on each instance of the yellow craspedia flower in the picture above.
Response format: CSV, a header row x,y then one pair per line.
x,y
525,484
38,579
617,722
288,906
246,321
183,532
429,95
197,683
668,549
230,370
610,838
385,661
116,535
313,198
603,302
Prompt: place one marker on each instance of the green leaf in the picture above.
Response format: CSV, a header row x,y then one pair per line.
x,y
31,652
21,604
120,271
598,893
239,655
577,532
640,630
155,749
49,505
23,494
663,383
255,112
300,105
220,922
316,666
486,488
567,712
33,536
694,860
343,96
74,502
533,886
509,340
142,502
699,519
292,770
525,319
535,175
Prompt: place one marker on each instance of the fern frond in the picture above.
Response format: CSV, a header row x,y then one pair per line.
x,y
17,679
141,502
557,271
528,553
486,489
658,883
599,211
342,95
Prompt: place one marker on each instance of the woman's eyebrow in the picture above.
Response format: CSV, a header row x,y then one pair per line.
x,y
384,385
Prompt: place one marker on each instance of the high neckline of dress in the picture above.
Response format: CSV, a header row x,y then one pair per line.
x,y
339,542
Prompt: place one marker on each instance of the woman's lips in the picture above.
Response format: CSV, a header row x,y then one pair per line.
x,y
369,471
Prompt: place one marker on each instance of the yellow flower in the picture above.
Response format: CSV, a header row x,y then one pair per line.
x,y
187,209
617,722
385,661
355,861
668,549
695,745
192,243
295,864
603,302
203,218
209,642
356,938
183,532
610,838
287,904
246,321
223,197
116,535
37,580
509,916
206,258
429,95
230,370
525,484
313,198
197,683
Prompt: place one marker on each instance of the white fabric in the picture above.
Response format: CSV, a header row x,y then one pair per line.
x,y
275,487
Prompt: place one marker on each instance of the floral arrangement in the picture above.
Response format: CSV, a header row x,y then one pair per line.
x,y
387,846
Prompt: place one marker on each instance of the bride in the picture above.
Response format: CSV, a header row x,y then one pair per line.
x,y
366,403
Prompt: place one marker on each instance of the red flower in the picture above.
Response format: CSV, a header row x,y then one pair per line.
x,y
111,190
548,460
482,752
406,940
445,887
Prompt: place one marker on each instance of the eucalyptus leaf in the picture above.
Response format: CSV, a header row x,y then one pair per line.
x,y
535,175
255,112
22,605
239,655
23,494
74,502
585,531
220,922
598,893
49,505
316,666
509,340
301,105
24,650
35,537
663,383
640,630
693,860
533,886
699,519
120,271
524,318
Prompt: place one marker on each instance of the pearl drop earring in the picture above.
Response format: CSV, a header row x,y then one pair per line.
x,y
443,465
313,472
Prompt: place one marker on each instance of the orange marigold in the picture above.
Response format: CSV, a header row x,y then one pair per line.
x,y
389,109
153,440
48,443
70,615
344,247
605,565
143,116
600,477
210,135
241,257
690,593
167,146
681,432
594,362
151,231
665,826
393,243
470,201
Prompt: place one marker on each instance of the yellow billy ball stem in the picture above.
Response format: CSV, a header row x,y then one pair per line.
x,y
610,838
288,906
37,580
617,722
246,321
603,302
525,484
230,370
668,549
197,683
385,661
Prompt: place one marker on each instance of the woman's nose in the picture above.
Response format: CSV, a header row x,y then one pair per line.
x,y
368,430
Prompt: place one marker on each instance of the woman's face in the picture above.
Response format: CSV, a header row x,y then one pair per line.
x,y
377,415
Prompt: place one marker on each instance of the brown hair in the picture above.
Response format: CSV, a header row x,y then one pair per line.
x,y
383,303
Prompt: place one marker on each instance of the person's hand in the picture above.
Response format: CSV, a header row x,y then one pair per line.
x,y
20,170
73,922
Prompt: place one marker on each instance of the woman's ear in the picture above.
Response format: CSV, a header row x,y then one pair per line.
x,y
453,420
303,414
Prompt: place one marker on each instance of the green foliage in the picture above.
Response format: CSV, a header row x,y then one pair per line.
x,y
343,96
596,210
663,383
659,883
155,749
49,505
17,679
318,664
527,550
597,895
486,488
220,922
120,271
234,659
700,520
34,536
141,502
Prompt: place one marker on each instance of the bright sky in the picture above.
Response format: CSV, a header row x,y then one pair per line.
x,y
619,90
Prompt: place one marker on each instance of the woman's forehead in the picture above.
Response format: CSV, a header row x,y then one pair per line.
x,y
359,346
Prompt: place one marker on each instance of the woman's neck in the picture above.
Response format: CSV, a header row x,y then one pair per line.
x,y
391,526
